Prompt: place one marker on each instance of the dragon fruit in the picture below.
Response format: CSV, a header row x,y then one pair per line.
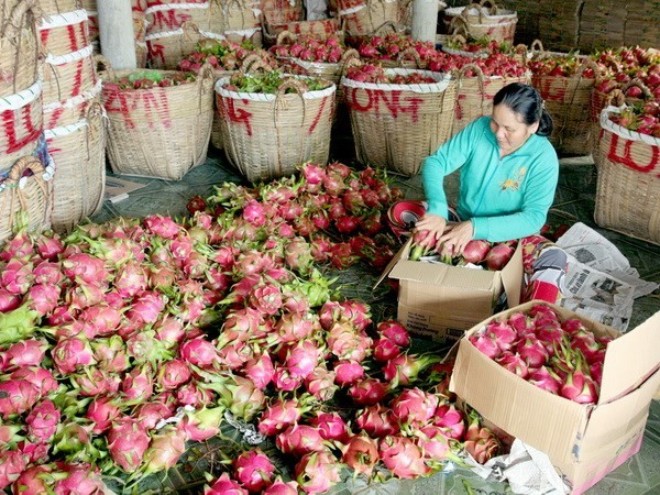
x,y
16,276
127,443
164,227
254,470
40,378
199,352
95,381
266,299
450,420
302,359
282,413
486,345
545,379
403,457
146,308
385,349
499,255
12,464
80,479
193,395
514,363
165,450
361,454
321,383
9,301
71,354
330,425
532,351
414,406
377,421
149,414
102,411
17,396
317,472
138,384
299,440
25,353
224,485
405,368
110,354
284,381
130,280
43,298
172,374
260,370
202,424
503,334
475,251
279,487
394,331
293,327
33,481
348,373
346,343
480,442
42,421
86,269
368,392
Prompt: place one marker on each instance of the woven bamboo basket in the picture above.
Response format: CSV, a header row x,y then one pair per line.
x,y
26,190
65,33
19,49
268,135
158,132
21,124
49,7
67,76
78,151
67,112
628,188
474,95
365,18
568,100
276,21
397,126
482,19
321,29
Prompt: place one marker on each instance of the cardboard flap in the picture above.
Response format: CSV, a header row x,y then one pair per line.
x,y
631,359
402,254
443,275
512,275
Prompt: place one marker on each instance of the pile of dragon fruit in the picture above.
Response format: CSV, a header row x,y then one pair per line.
x,y
489,255
124,342
562,357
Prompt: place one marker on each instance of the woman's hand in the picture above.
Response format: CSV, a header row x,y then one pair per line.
x,y
457,236
436,226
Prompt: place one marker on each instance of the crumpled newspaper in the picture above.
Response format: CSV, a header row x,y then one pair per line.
x,y
527,470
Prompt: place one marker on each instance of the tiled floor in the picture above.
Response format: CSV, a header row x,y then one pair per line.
x,y
574,202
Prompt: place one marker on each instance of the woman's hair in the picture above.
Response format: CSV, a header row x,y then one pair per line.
x,y
525,101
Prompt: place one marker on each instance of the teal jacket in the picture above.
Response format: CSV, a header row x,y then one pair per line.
x,y
506,198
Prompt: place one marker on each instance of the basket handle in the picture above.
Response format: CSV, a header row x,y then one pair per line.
x,y
410,53
386,24
637,83
347,57
225,6
285,36
13,180
588,64
96,126
107,66
191,31
460,25
615,98
480,79
300,88
494,8
536,49
12,26
253,62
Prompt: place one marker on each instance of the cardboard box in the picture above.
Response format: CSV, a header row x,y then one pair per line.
x,y
584,442
442,301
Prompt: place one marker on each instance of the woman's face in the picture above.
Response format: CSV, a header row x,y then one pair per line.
x,y
509,128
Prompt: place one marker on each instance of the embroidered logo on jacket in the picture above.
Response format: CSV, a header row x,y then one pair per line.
x,y
514,183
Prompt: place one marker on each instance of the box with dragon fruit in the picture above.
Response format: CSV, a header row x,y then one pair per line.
x,y
573,388
441,300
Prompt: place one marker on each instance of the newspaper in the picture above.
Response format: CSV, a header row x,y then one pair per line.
x,y
601,283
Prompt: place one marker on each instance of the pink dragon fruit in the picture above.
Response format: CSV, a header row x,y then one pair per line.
x,y
279,487
368,392
127,443
199,352
321,383
402,457
377,421
95,381
26,353
532,351
100,320
138,384
284,381
405,368
33,481
12,464
545,379
521,323
317,472
436,446
43,298
480,442
266,299
202,424
503,334
71,354
302,359
260,370
361,454
346,343
146,308
164,227
41,379
149,414
81,479
110,354
42,421
191,394
224,485
414,406
485,344
330,425
578,386
299,440
385,349
102,411
17,276
165,450
9,301
450,420
172,374
394,331
254,470
17,396
87,269
348,373
293,327
130,280
282,413
514,363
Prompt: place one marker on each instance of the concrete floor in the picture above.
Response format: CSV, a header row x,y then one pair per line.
x,y
574,201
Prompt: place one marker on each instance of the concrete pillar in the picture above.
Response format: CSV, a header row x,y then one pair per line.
x,y
116,32
425,19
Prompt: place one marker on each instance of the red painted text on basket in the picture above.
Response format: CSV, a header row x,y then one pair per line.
x,y
624,156
168,20
156,51
76,33
317,117
236,115
9,121
154,105
549,90
392,101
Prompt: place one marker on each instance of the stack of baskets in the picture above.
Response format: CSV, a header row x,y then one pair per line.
x,y
73,116
269,135
139,28
568,100
482,19
628,190
160,131
279,16
362,18
25,173
396,126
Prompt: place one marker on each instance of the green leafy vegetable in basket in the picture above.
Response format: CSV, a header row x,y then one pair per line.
x,y
269,83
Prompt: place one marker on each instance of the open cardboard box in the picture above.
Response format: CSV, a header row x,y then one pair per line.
x,y
583,442
442,301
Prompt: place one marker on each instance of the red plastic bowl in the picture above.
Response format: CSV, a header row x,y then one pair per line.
x,y
403,215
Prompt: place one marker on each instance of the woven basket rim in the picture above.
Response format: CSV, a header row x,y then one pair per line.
x,y
454,11
442,82
607,124
240,95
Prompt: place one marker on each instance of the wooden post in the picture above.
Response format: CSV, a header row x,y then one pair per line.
x,y
425,20
116,32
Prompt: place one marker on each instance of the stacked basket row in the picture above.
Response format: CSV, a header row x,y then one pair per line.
x,y
73,116
25,171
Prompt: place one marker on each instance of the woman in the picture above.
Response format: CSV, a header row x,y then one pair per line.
x,y
508,177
